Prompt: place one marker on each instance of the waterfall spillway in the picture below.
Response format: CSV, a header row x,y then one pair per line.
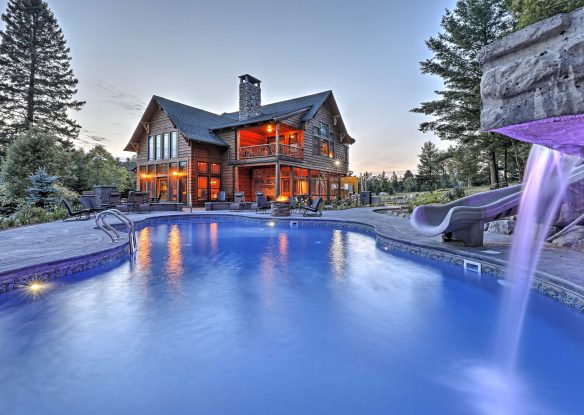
x,y
544,186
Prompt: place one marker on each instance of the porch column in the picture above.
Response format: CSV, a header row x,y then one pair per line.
x,y
277,159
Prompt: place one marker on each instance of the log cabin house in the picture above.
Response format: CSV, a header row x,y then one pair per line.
x,y
294,147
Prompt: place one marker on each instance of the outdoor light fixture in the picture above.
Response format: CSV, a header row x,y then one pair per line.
x,y
337,163
269,128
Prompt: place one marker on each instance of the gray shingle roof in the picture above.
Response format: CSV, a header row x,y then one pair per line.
x,y
193,122
198,125
279,109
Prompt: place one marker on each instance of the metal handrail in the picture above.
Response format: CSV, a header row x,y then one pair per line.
x,y
100,221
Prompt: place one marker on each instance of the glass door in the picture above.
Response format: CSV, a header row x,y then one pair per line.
x,y
163,188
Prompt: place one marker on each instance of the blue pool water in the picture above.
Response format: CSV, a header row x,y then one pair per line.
x,y
228,318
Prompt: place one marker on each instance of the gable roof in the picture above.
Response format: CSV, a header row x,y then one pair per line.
x,y
309,103
199,125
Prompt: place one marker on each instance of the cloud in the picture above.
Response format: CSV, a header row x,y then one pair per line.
x,y
120,99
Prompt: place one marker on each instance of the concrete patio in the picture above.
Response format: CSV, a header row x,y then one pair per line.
x,y
57,242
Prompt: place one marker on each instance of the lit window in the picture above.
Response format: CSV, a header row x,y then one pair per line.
x,y
215,187
215,168
203,167
324,147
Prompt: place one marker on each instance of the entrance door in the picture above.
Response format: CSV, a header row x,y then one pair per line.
x,y
163,188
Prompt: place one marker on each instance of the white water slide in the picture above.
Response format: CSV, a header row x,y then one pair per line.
x,y
464,219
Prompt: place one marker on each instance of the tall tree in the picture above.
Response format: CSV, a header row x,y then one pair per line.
x,y
37,85
531,11
428,168
472,25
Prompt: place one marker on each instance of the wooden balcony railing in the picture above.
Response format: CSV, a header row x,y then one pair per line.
x,y
269,150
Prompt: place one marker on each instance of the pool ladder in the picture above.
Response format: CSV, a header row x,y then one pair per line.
x,y
104,225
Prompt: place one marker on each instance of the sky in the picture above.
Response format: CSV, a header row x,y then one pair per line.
x,y
192,51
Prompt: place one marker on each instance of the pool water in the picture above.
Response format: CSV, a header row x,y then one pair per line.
x,y
235,318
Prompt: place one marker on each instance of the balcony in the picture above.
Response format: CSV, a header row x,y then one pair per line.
x,y
269,150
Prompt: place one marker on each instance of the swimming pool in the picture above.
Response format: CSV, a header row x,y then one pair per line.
x,y
239,318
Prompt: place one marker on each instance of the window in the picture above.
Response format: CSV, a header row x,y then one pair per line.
x,y
166,146
332,146
324,147
215,168
161,169
293,139
318,183
173,144
345,152
203,167
158,147
182,182
324,130
202,185
335,184
315,145
300,181
150,148
215,187
173,185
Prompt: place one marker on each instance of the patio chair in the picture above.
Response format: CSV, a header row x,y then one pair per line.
x,y
238,199
263,205
83,214
141,202
314,209
90,203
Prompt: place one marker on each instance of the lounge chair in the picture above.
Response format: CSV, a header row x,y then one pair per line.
x,y
262,203
238,200
90,203
84,214
314,209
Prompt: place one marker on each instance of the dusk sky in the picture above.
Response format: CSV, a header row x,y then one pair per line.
x,y
367,52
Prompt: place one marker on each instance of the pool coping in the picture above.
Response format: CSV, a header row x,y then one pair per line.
x,y
552,286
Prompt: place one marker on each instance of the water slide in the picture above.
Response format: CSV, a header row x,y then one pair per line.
x,y
464,219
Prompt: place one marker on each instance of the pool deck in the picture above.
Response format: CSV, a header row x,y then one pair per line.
x,y
37,246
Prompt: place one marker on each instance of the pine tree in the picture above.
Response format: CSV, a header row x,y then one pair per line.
x,y
531,11
467,30
37,84
42,192
428,168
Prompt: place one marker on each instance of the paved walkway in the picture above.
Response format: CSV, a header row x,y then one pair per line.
x,y
40,244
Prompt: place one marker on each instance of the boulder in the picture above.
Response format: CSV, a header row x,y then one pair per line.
x,y
574,239
502,227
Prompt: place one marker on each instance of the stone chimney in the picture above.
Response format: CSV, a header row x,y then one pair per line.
x,y
250,97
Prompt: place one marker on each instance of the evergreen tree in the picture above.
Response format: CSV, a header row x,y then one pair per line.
x,y
428,167
394,183
528,12
42,192
467,30
37,84
31,150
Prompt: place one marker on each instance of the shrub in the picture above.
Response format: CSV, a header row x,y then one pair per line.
x,y
42,192
455,193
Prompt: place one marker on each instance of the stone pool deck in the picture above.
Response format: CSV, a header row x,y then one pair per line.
x,y
73,246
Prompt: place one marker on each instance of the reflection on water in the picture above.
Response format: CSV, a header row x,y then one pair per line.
x,y
283,247
174,264
213,237
144,251
337,253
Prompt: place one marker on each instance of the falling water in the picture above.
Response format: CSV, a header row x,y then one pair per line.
x,y
543,189
494,389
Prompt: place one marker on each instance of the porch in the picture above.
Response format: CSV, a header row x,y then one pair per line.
x,y
269,141
294,181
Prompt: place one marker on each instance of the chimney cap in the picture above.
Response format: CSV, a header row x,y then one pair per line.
x,y
250,79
